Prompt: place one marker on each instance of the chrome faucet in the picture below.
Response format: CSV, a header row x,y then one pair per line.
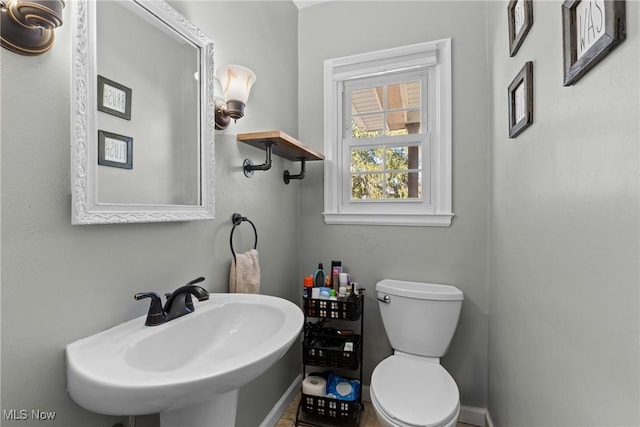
x,y
178,303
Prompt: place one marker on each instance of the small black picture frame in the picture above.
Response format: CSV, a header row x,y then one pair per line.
x,y
115,150
114,98
520,19
521,100
590,30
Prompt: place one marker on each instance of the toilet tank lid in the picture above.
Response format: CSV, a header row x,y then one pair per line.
x,y
418,290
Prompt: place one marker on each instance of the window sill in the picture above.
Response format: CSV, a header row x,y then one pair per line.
x,y
415,220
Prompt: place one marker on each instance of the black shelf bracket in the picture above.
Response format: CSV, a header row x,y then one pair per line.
x,y
288,176
248,167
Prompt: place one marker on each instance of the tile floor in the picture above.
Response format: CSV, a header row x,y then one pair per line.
x,y
367,419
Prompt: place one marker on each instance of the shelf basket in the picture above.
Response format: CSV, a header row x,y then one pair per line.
x,y
334,357
343,410
350,309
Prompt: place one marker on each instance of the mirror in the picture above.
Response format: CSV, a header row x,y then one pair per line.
x,y
142,114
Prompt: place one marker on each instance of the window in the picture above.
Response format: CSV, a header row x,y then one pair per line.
x,y
388,137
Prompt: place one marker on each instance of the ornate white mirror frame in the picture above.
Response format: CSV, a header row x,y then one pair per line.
x,y
86,209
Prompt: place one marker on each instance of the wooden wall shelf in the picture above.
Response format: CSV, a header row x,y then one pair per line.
x,y
282,145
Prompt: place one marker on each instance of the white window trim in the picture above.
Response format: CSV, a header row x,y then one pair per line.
x,y
436,54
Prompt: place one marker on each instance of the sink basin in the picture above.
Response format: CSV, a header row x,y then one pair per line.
x,y
189,367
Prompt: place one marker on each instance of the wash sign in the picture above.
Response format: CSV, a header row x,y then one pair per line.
x,y
590,24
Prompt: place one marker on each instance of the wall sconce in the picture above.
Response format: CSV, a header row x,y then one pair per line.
x,y
236,82
27,25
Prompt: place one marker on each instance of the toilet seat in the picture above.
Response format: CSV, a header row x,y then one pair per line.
x,y
414,391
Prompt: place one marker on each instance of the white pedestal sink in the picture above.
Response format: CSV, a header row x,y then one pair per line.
x,y
189,369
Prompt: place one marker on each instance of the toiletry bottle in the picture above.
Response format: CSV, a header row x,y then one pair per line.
x,y
355,287
342,289
356,291
318,277
308,285
336,278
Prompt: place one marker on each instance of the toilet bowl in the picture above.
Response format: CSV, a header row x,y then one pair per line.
x,y
411,388
410,391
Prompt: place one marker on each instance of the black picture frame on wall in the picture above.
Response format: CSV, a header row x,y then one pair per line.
x,y
520,19
114,98
590,30
115,150
520,94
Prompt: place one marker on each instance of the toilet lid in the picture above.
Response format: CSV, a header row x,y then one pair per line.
x,y
415,391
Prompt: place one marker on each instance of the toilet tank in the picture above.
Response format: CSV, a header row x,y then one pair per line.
x,y
419,318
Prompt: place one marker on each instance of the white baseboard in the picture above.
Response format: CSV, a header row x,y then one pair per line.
x,y
283,403
489,420
472,415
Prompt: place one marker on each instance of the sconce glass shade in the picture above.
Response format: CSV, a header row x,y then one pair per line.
x,y
236,82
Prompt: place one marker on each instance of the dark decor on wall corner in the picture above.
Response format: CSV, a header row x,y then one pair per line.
x,y
520,95
27,26
590,30
520,18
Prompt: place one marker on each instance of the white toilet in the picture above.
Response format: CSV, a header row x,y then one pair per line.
x,y
411,388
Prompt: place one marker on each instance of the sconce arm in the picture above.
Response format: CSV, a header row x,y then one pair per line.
x,y
27,27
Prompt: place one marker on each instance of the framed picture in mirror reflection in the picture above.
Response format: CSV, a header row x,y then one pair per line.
x,y
114,98
115,150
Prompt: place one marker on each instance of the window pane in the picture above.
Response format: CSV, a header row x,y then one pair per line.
x,y
396,123
367,186
403,185
397,158
402,158
386,173
403,95
413,121
367,126
366,100
366,160
399,106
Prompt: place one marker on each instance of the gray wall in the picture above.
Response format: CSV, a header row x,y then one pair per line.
x,y
454,255
62,282
563,270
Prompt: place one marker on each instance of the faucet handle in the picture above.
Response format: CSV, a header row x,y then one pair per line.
x,y
156,315
194,281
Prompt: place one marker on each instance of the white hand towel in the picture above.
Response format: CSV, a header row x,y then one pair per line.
x,y
244,276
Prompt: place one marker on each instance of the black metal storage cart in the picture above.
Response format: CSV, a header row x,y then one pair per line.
x,y
334,351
